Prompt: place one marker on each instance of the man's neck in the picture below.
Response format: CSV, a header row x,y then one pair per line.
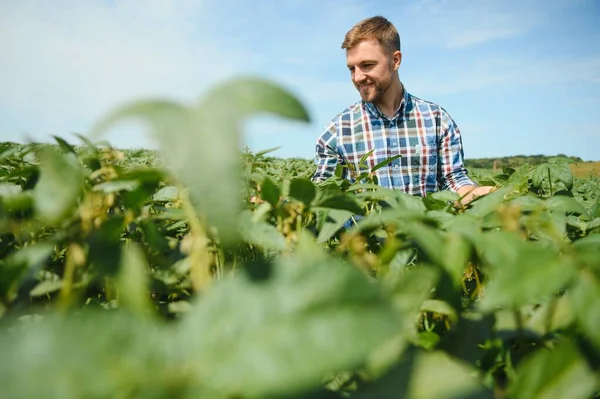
x,y
392,99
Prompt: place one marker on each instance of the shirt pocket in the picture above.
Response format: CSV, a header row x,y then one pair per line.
x,y
423,160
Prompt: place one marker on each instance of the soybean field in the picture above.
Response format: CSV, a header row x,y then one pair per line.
x,y
203,270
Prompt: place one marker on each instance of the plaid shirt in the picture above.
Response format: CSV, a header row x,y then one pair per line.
x,y
422,133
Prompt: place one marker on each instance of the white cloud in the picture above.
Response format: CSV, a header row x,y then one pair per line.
x,y
65,63
68,63
463,23
490,73
479,35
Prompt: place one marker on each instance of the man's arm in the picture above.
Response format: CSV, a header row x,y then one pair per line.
x,y
451,170
327,156
471,193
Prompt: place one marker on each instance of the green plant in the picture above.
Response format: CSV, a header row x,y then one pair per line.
x,y
136,274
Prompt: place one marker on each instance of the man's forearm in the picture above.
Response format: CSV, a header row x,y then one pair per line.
x,y
464,190
469,193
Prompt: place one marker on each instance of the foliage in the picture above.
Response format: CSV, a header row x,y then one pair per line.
x,y
157,276
515,161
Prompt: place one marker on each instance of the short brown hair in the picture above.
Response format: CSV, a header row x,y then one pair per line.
x,y
378,28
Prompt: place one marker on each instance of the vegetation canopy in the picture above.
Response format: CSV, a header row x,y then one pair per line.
x,y
155,275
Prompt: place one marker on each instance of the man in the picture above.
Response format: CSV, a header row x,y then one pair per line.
x,y
391,121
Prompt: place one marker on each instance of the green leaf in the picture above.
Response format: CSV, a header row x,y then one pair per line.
x,y
519,179
554,314
64,146
59,187
563,204
429,240
539,174
561,160
440,307
489,203
21,265
445,196
364,158
341,202
528,203
88,344
586,299
46,287
428,339
562,173
270,192
560,372
409,203
334,220
201,143
385,162
265,152
453,378
166,194
283,335
457,253
464,224
498,248
114,186
552,173
9,190
365,186
524,274
133,281
105,245
252,95
427,375
410,287
303,190
587,250
19,206
593,224
260,233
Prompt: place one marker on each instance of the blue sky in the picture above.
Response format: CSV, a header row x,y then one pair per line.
x,y
518,77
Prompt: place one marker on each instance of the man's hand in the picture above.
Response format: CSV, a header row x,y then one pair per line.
x,y
470,193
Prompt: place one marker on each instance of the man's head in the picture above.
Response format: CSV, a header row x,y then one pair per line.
x,y
373,56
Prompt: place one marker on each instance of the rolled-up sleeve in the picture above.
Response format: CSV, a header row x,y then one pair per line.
x,y
452,173
326,157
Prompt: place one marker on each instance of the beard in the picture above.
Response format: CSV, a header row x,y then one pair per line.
x,y
373,90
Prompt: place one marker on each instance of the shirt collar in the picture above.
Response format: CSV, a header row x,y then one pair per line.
x,y
405,106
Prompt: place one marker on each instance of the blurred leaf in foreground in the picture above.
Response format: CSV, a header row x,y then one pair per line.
x,y
201,143
560,372
60,184
283,335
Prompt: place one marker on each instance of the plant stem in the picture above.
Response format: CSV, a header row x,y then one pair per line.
x,y
550,314
477,282
550,182
65,297
200,274
519,321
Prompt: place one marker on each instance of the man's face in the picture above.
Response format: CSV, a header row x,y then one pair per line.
x,y
371,69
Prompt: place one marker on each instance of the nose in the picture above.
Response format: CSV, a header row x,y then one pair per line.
x,y
359,77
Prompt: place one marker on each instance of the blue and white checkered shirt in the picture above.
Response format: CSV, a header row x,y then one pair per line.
x,y
421,132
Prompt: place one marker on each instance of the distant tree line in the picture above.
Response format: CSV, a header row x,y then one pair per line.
x,y
513,161
151,157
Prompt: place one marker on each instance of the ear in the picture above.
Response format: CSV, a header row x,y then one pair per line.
x,y
397,59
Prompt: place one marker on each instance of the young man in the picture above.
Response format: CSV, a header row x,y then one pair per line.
x,y
391,121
